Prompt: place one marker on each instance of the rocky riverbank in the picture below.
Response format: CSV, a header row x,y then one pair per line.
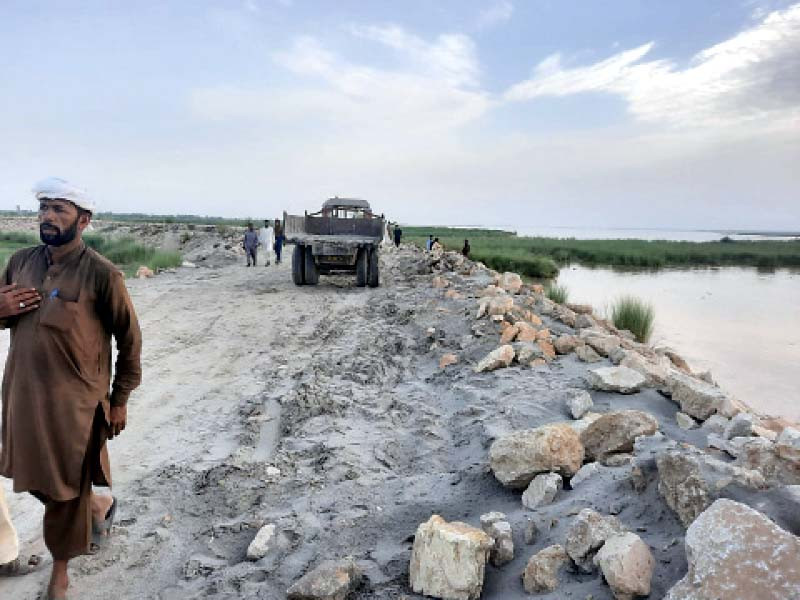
x,y
452,433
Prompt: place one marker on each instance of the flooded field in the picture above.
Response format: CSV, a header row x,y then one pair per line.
x,y
740,323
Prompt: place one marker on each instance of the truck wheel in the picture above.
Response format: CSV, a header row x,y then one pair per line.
x,y
298,264
373,272
361,267
311,272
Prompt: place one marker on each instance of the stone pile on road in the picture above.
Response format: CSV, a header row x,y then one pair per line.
x,y
331,580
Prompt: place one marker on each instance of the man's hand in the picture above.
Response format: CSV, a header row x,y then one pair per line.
x,y
14,301
119,418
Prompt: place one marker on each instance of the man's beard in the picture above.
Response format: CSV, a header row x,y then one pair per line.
x,y
58,237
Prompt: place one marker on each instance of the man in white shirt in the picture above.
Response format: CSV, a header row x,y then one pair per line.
x,y
266,237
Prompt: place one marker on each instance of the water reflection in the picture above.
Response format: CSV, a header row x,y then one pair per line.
x,y
741,323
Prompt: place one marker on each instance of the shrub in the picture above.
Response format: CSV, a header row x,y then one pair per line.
x,y
557,293
635,315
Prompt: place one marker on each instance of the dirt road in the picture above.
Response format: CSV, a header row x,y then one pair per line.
x,y
323,410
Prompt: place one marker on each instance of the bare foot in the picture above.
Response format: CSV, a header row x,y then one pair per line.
x,y
59,581
100,507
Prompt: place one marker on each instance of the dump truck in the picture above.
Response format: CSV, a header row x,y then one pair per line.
x,y
342,237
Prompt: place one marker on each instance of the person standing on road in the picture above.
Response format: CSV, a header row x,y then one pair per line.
x,y
429,243
398,233
279,239
266,237
57,408
466,249
250,244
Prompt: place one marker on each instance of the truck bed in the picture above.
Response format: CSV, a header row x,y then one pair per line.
x,y
309,229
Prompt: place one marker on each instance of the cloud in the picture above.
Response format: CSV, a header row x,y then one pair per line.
x,y
754,76
435,92
451,57
494,15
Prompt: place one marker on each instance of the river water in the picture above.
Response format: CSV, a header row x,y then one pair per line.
x,y
740,323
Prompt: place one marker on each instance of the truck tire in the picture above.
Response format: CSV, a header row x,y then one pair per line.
x,y
298,264
311,271
361,267
373,270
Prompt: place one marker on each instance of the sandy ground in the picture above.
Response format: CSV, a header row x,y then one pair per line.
x,y
338,388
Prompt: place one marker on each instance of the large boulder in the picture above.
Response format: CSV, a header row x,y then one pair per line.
x,y
735,552
655,370
448,560
764,456
689,480
497,359
627,565
616,432
541,572
331,580
510,282
696,398
616,379
601,341
587,533
518,457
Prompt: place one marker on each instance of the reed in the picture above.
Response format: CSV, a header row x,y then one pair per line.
x,y
557,293
635,315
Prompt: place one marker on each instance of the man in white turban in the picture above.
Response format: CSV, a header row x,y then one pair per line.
x,y
60,402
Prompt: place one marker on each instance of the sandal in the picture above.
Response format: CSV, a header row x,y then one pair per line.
x,y
18,567
103,529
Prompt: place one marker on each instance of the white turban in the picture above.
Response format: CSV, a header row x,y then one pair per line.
x,y
55,187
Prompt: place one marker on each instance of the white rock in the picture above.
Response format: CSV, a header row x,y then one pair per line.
x,y
330,580
542,490
516,458
498,358
497,527
788,444
696,398
584,473
510,282
541,573
616,379
579,403
689,480
736,552
655,371
587,354
448,560
716,424
739,426
587,533
685,421
627,565
259,547
273,472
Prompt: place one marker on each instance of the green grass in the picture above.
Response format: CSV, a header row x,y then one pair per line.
x,y
614,253
126,253
556,293
494,248
635,315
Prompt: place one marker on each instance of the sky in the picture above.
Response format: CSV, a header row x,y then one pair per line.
x,y
529,113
